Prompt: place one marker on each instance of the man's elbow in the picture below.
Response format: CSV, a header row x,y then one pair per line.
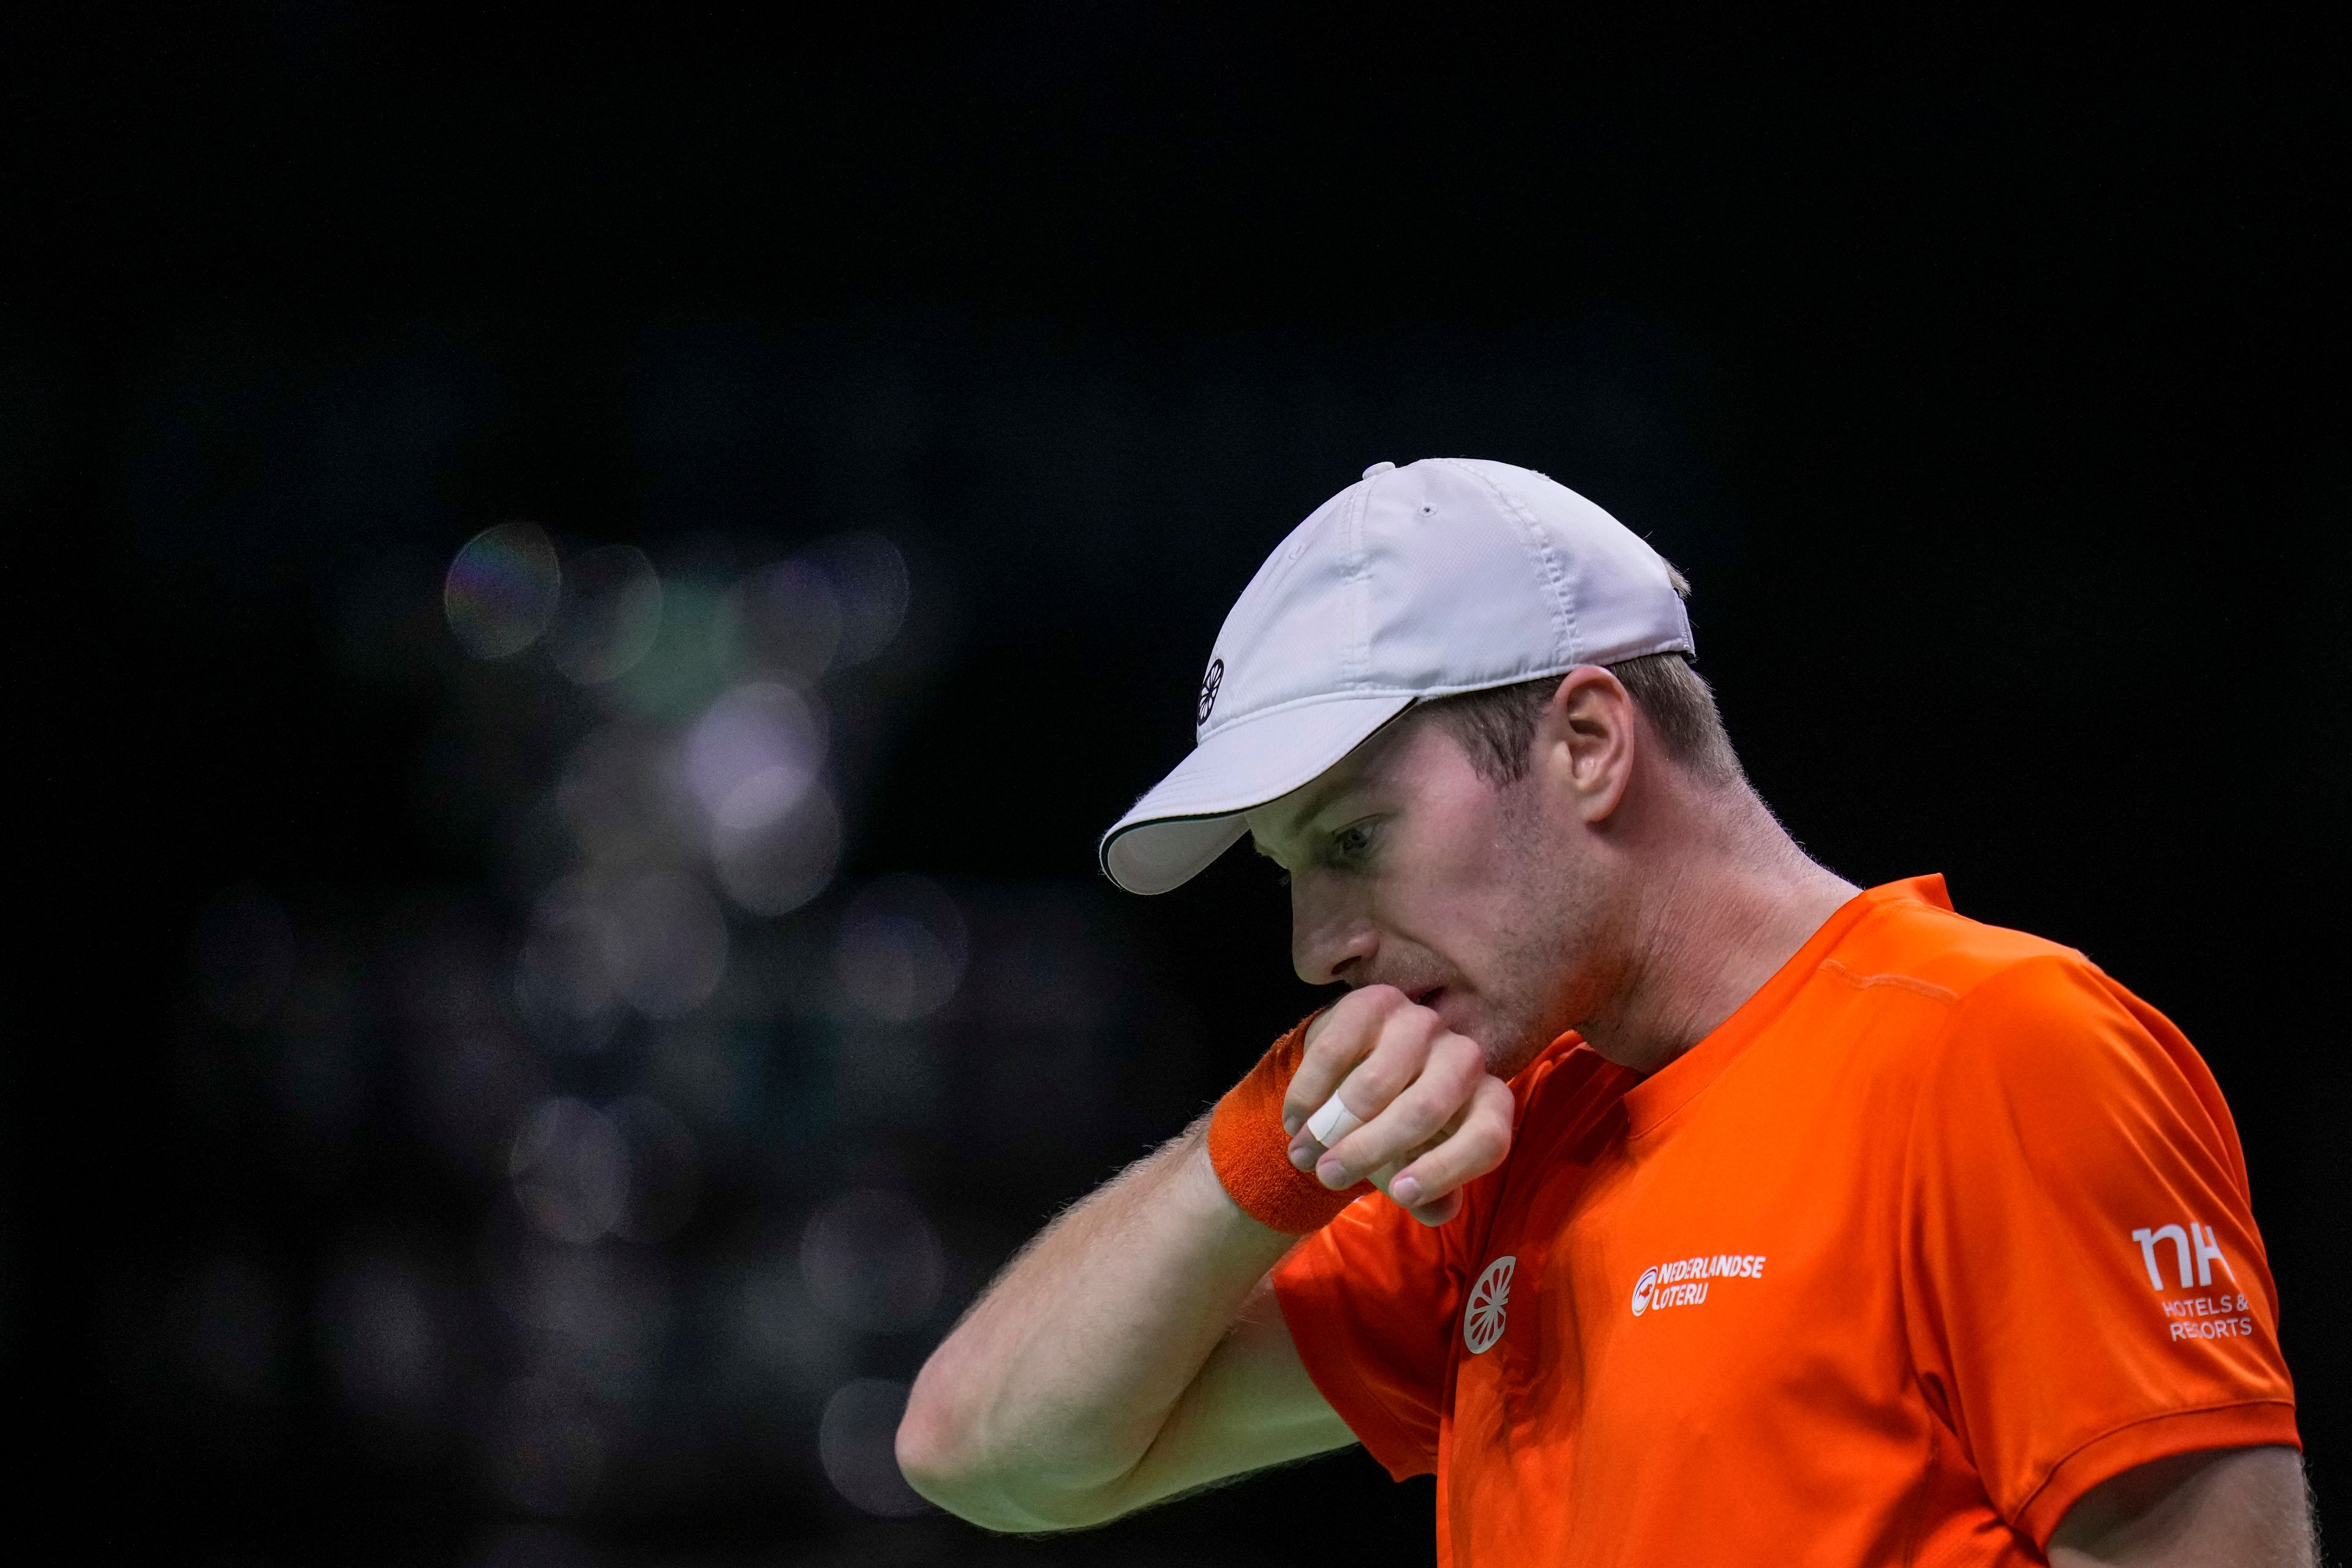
x,y
945,1462
941,1463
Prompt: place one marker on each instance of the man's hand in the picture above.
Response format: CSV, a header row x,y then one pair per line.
x,y
1428,1118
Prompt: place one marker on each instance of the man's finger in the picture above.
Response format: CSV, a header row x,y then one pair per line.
x,y
1336,1042
1333,1123
1362,1063
1429,1105
1435,1211
1396,1060
1469,1152
1438,1211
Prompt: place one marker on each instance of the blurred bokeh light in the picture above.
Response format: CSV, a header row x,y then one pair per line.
x,y
596,586
663,1097
501,591
610,615
854,1439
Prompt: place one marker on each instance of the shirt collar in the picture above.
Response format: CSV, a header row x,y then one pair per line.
x,y
1668,1089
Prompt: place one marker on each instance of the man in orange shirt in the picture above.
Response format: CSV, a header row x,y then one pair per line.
x,y
1725,1213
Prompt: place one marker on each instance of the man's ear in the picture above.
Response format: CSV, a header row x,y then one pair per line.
x,y
1585,740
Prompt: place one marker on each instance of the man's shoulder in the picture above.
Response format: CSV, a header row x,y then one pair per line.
x,y
1991,1014
1965,964
2017,1016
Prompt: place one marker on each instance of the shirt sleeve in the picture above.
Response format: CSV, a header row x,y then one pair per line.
x,y
1369,1300
2086,1288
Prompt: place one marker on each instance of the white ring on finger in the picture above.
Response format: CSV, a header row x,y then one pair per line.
x,y
1333,1123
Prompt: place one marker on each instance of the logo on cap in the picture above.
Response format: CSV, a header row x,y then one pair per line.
x,y
1209,685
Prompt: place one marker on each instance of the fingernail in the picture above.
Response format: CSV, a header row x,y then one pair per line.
x,y
1405,1190
1302,1153
1332,1173
1292,1121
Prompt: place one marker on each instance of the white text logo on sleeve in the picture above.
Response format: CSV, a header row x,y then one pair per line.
x,y
2192,1254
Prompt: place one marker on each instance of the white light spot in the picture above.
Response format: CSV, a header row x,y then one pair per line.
x,y
781,865
753,754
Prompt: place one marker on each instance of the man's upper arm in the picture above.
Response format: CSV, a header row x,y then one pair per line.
x,y
1252,1405
2236,1508
2087,1287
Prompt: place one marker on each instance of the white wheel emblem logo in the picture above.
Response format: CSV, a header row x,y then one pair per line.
x,y
1482,1319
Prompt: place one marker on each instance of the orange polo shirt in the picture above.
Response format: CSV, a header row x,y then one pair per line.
x,y
1939,1230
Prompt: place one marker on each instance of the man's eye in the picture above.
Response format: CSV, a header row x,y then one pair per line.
x,y
1350,843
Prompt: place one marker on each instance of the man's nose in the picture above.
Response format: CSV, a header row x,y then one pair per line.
x,y
1330,939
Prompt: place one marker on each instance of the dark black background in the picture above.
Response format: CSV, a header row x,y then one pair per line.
x,y
1986,379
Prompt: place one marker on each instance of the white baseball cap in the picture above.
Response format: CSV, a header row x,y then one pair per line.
x,y
1449,575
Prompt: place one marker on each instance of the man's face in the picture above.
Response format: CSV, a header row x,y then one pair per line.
x,y
1485,903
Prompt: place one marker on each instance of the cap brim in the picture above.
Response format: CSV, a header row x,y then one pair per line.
x,y
1194,815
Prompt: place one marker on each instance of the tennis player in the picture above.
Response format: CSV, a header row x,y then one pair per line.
x,y
1670,1198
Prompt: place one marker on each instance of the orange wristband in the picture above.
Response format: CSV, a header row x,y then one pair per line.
x,y
1251,1152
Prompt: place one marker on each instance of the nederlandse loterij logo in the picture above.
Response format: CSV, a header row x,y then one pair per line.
x,y
2226,1316
1209,685
1684,1281
1481,1318
1641,1289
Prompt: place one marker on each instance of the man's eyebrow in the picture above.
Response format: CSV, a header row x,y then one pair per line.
x,y
1314,804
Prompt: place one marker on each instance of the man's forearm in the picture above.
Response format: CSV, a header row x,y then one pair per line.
x,y
1052,1390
